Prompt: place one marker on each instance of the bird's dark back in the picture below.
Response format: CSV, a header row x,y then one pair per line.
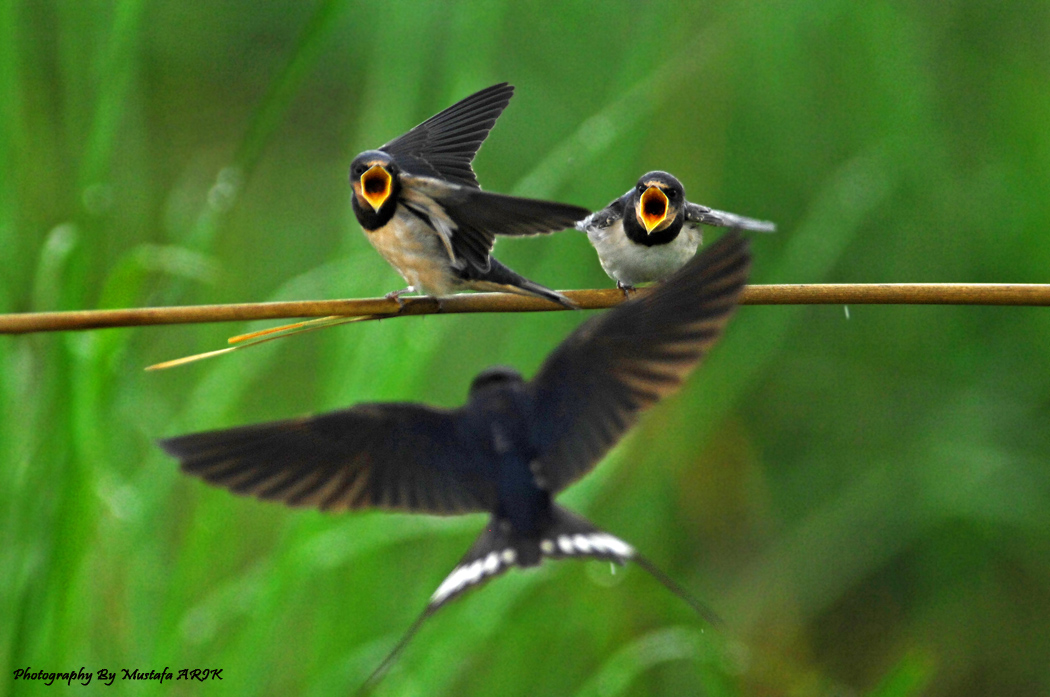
x,y
501,421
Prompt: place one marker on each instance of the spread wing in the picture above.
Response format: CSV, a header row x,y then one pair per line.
x,y
590,391
696,214
392,456
471,218
444,145
599,220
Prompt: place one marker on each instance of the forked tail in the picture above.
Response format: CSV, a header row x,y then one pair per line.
x,y
496,550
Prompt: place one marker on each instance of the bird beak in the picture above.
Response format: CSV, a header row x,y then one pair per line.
x,y
376,185
652,209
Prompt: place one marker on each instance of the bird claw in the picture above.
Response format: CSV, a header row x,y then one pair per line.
x,y
626,288
396,295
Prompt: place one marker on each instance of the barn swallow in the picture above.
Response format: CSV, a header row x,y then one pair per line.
x,y
421,207
652,230
509,450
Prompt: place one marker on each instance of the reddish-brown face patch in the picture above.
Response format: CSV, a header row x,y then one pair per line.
x,y
652,208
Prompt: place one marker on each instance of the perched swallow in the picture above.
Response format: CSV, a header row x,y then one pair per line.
x,y
652,231
421,207
509,450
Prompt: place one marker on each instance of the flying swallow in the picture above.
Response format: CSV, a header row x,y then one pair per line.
x,y
422,208
652,230
509,450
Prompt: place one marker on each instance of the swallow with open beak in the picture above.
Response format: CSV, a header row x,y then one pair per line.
x,y
421,207
509,450
652,231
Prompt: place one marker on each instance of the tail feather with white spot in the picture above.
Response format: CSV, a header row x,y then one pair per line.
x,y
496,550
572,535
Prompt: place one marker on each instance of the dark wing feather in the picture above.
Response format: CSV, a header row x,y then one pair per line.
x,y
444,145
478,216
390,456
599,220
590,391
499,214
696,214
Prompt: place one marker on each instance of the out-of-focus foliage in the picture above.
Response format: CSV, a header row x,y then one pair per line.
x,y
864,496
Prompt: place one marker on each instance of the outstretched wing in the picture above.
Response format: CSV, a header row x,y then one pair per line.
x,y
696,214
444,145
599,220
391,456
471,218
590,391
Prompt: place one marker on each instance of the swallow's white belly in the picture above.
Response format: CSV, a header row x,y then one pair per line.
x,y
631,263
417,252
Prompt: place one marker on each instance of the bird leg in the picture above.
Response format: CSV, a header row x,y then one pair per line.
x,y
626,288
396,295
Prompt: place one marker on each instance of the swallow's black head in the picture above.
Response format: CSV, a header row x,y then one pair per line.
x,y
374,179
654,213
496,376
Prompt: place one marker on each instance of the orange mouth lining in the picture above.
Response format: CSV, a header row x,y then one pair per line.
x,y
653,208
376,185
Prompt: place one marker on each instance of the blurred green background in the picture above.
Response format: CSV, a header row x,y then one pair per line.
x,y
864,496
